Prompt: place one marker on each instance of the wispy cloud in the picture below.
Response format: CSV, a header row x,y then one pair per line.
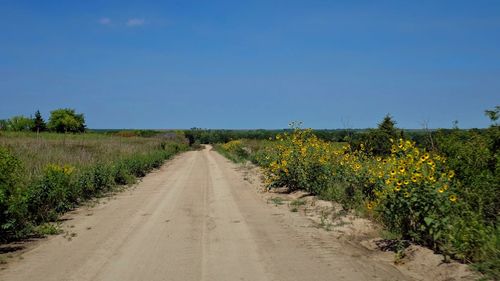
x,y
135,22
105,21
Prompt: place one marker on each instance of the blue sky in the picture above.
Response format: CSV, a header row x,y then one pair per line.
x,y
252,64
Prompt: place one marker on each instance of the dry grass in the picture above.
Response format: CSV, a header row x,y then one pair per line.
x,y
36,151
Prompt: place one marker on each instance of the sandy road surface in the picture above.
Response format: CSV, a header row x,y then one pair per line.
x,y
194,219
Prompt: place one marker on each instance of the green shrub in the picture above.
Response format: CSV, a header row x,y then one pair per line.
x,y
447,199
122,174
12,207
234,150
52,194
474,156
103,177
85,183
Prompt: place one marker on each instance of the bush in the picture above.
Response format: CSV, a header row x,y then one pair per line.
x,y
66,120
52,194
103,177
122,174
474,155
377,141
236,148
299,161
414,193
12,207
85,183
446,199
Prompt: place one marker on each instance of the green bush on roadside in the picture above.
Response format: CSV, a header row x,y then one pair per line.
x,y
12,207
446,197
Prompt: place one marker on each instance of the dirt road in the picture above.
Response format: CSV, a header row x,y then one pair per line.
x,y
194,219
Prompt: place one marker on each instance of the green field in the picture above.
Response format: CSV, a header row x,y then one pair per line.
x,y
44,175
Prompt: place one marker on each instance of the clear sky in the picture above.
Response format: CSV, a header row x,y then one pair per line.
x,y
252,64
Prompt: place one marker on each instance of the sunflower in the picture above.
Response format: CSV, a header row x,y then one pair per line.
x,y
441,190
393,173
397,188
453,198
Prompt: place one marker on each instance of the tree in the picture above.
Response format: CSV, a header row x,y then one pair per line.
x,y
378,141
4,124
20,123
388,126
38,123
493,114
66,120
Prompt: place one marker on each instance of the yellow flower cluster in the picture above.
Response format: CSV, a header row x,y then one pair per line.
x,y
232,145
301,160
65,169
409,169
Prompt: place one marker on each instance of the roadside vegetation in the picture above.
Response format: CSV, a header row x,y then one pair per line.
x,y
440,189
45,174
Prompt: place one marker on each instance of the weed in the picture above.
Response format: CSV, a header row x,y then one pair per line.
x,y
276,201
298,202
48,229
325,222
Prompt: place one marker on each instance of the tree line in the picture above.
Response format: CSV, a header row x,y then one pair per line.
x,y
63,120
377,140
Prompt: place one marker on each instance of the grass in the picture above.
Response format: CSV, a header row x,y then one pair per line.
x,y
229,155
45,175
296,204
48,229
78,150
277,201
325,222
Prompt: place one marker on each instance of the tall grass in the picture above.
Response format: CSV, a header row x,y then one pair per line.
x,y
37,151
45,175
